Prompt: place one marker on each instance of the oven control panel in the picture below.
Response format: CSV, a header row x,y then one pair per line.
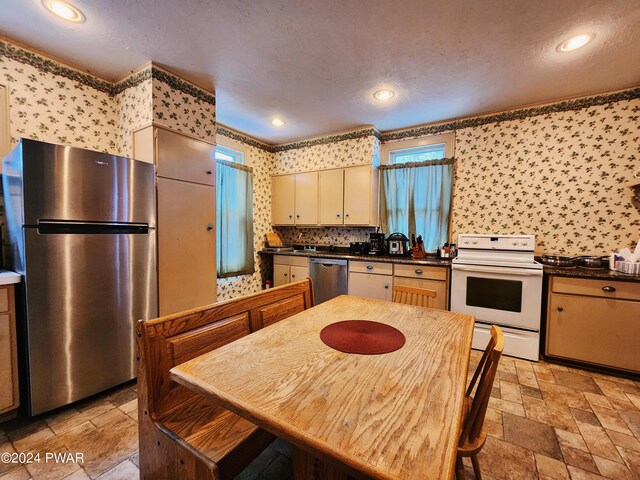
x,y
523,243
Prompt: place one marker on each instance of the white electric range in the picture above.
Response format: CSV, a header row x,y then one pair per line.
x,y
496,278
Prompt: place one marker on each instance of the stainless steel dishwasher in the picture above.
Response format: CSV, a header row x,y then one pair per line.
x,y
329,277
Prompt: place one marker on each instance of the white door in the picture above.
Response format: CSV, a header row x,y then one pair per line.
x,y
357,195
331,196
307,198
283,199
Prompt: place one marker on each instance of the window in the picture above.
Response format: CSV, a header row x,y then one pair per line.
x,y
234,212
229,154
432,147
416,187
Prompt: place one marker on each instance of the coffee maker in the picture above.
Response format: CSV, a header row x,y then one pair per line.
x,y
377,241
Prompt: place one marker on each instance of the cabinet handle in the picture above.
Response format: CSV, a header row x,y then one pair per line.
x,y
369,267
609,289
560,309
209,227
284,274
346,214
386,285
419,272
209,172
298,216
337,215
293,276
290,216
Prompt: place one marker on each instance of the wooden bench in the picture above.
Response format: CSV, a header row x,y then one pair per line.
x,y
181,434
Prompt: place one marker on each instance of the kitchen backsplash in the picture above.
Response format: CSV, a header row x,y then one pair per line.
x,y
337,236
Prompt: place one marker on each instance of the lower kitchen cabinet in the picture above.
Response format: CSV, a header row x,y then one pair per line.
x,y
595,322
371,280
9,397
289,269
430,278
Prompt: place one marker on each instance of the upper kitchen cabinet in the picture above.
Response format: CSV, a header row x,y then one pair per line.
x,y
283,191
361,195
295,199
341,196
183,157
331,196
306,198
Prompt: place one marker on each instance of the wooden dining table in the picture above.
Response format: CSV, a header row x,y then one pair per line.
x,y
388,416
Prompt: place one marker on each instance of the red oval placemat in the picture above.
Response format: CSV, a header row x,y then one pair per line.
x,y
362,336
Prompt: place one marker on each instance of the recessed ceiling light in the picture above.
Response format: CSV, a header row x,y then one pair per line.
x,y
64,10
383,95
575,42
278,122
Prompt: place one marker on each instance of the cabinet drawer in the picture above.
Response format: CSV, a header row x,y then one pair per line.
x,y
294,261
596,288
4,299
371,267
420,271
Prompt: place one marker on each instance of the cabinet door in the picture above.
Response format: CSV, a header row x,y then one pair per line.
x,y
307,198
186,245
299,273
6,360
602,331
280,274
357,195
185,158
440,287
371,286
331,196
283,198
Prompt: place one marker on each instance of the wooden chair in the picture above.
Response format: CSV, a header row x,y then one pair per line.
x,y
420,297
182,434
474,432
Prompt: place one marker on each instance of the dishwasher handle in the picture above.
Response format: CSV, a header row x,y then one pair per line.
x,y
328,262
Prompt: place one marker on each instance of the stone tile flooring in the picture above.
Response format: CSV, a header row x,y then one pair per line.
x,y
545,421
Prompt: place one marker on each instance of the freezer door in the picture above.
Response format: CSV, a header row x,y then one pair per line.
x,y
67,183
84,293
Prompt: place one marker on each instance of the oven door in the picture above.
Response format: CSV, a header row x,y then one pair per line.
x,y
502,295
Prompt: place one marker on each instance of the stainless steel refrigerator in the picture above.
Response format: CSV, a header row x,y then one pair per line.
x,y
80,229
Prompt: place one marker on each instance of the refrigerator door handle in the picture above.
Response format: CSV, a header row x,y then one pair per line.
x,y
70,227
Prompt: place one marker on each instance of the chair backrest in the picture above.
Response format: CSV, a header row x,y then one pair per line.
x,y
420,297
484,376
171,340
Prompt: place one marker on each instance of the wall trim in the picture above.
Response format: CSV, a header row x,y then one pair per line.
x,y
519,114
361,133
22,55
242,138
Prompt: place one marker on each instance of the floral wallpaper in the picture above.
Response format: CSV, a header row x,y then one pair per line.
x,y
559,175
55,108
134,109
262,163
182,111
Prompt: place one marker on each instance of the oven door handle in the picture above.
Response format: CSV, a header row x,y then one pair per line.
x,y
520,272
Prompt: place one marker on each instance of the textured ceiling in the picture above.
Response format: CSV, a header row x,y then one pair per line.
x,y
316,63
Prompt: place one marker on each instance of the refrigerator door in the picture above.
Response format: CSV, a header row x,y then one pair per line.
x,y
84,293
186,245
66,183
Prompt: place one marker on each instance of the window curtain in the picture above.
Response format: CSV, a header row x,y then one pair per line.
x,y
234,219
416,198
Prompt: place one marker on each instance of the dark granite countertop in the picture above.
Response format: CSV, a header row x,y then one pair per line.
x,y
430,260
593,273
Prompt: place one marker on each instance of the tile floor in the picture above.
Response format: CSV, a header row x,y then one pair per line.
x,y
545,421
